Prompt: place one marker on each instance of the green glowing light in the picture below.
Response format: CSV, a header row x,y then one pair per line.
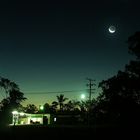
x,y
83,96
41,107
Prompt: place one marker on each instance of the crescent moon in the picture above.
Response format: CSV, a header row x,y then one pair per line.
x,y
112,29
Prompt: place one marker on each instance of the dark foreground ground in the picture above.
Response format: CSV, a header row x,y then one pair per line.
x,y
70,132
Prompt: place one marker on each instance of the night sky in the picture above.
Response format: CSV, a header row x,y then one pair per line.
x,y
50,47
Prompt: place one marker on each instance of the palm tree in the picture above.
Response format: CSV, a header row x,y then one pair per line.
x,y
53,107
61,99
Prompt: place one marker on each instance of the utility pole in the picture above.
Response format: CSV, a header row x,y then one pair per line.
x,y
90,84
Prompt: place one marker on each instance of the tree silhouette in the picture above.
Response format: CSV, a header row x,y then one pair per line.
x,y
13,93
12,100
120,99
54,106
31,108
68,106
7,85
134,44
72,107
60,101
47,108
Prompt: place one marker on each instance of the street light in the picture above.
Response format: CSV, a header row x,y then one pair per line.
x,y
14,112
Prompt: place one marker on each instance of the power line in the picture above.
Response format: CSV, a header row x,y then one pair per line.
x,y
52,92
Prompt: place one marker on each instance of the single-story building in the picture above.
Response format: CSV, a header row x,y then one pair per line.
x,y
27,119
